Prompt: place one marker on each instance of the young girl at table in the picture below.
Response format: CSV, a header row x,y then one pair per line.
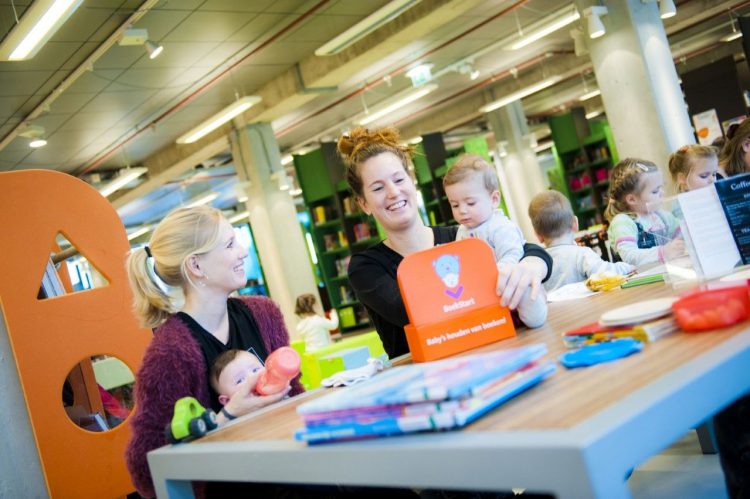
x,y
314,329
693,166
640,231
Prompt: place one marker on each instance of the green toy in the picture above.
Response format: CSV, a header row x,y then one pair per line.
x,y
190,419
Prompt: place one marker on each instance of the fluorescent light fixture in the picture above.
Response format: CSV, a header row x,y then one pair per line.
x,y
544,146
286,159
311,248
218,119
125,176
239,216
295,192
40,21
667,9
474,74
153,49
595,25
414,140
37,143
733,35
203,199
520,94
138,232
242,199
411,97
593,114
548,25
590,95
366,26
419,75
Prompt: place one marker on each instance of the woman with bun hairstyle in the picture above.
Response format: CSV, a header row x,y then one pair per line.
x,y
377,173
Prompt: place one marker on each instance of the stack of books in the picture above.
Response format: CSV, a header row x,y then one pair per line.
x,y
597,333
438,395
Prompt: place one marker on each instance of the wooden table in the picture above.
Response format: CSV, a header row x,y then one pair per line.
x,y
577,434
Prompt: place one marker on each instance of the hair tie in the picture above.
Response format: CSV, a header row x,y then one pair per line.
x,y
148,251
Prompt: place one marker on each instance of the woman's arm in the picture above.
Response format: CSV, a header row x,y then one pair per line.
x,y
377,288
513,280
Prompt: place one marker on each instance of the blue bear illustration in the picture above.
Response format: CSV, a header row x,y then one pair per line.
x,y
447,268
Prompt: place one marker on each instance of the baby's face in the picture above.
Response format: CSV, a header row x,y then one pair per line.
x,y
472,204
243,365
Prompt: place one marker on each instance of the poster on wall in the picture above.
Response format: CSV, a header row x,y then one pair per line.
x,y
707,126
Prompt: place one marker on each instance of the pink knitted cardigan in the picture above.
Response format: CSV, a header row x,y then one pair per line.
x,y
173,367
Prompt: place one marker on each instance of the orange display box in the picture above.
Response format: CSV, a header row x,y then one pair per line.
x,y
450,298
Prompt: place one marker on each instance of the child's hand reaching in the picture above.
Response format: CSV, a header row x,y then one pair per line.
x,y
514,280
245,400
673,249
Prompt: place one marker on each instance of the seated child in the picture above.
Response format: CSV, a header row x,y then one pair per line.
x,y
314,329
555,226
693,166
641,232
472,189
229,371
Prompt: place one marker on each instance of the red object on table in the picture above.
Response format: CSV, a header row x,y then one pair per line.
x,y
281,366
712,309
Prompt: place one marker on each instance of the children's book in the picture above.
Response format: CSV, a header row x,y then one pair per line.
x,y
596,333
431,396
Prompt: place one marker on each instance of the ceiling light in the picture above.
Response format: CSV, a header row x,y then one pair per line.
x,y
544,146
366,26
202,199
138,232
593,114
35,133
474,74
593,15
125,176
411,97
414,140
548,25
520,94
667,9
215,121
153,49
37,143
733,35
40,21
286,159
295,192
239,216
419,75
590,95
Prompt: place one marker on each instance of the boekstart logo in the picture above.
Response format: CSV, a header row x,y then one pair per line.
x,y
447,267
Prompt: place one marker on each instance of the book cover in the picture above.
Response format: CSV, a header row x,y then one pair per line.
x,y
596,333
451,378
734,194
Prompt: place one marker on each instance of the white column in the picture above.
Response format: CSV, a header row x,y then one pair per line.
x,y
638,81
519,168
273,217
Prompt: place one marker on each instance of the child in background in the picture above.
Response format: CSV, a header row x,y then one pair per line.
x,y
472,189
640,232
693,166
314,329
555,226
233,370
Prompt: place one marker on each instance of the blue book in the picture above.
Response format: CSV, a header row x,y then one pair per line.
x,y
438,395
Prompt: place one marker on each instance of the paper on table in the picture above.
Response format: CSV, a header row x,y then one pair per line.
x,y
570,292
709,231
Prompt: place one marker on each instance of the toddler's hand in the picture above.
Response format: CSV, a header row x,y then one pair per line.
x,y
514,280
674,249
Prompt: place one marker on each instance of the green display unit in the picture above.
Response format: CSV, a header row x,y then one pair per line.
x,y
338,229
585,163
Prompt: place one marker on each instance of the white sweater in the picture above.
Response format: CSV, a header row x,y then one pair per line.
x,y
315,330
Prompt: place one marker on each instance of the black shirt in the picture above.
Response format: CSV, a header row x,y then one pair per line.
x,y
243,335
372,274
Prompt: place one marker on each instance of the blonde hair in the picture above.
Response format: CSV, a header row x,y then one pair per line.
x,y
683,160
732,158
626,178
305,304
182,233
361,144
470,164
551,214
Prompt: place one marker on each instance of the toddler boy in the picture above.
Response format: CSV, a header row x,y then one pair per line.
x,y
555,225
472,189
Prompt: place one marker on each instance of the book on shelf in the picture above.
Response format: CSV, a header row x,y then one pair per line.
x,y
437,395
329,242
342,266
596,333
319,214
361,231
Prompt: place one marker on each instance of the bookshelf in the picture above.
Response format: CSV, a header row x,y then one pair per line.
x,y
585,163
338,229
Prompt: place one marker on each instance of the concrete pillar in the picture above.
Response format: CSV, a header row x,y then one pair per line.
x,y
639,83
519,169
273,217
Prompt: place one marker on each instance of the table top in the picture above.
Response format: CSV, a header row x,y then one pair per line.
x,y
563,400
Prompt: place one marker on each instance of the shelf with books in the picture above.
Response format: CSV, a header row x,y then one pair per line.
x,y
585,163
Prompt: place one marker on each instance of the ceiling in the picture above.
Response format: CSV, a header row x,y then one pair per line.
x,y
104,106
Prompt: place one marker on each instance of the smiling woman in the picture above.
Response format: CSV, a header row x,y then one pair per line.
x,y
378,176
194,250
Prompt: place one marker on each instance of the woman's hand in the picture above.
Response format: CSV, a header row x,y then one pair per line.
x,y
245,400
514,280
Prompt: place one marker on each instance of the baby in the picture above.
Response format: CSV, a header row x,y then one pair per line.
x,y
230,370
472,189
555,226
